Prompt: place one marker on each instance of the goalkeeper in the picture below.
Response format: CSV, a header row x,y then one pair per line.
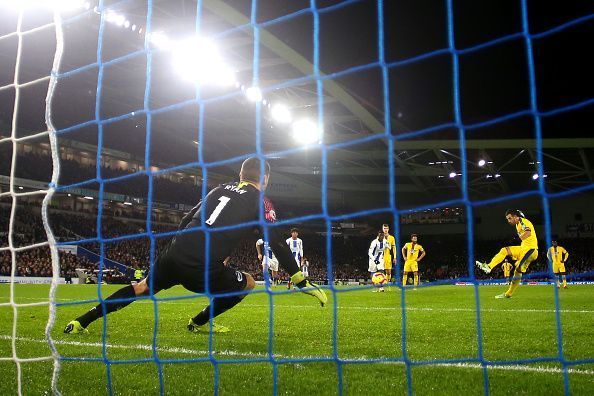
x,y
183,261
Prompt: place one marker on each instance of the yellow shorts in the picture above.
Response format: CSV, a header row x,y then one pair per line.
x,y
411,266
559,268
526,256
516,252
387,262
506,273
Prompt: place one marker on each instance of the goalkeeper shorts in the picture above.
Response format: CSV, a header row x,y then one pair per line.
x,y
167,273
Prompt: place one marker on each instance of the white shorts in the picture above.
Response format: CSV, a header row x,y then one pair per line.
x,y
271,262
373,267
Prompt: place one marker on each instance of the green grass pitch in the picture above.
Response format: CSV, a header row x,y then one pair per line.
x,y
441,324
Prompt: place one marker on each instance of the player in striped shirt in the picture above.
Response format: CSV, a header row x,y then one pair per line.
x,y
376,256
305,267
296,245
269,261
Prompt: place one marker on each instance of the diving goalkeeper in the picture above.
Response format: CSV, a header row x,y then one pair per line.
x,y
183,262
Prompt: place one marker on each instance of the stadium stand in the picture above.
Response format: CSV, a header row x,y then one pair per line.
x,y
38,167
350,253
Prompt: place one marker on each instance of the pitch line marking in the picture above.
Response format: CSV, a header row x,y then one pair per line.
x,y
429,309
194,352
354,307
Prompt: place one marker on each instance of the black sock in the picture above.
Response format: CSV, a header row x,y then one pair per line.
x,y
220,305
96,312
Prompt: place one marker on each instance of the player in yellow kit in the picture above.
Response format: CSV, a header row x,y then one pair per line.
x,y
507,266
527,252
557,255
413,253
389,253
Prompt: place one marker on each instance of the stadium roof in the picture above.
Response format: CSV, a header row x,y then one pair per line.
x,y
493,80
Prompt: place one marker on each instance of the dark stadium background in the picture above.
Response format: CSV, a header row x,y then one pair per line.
x,y
493,83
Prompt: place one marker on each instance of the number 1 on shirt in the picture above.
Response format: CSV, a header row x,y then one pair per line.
x,y
213,217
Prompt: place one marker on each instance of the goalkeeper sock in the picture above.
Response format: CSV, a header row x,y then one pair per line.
x,y
96,312
514,285
220,305
404,279
564,281
416,279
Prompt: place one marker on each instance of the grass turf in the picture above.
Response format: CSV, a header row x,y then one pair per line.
x,y
441,325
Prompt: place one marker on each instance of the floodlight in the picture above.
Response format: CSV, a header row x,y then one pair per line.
x,y
160,40
482,162
110,16
306,132
452,175
254,94
198,60
59,5
281,113
120,20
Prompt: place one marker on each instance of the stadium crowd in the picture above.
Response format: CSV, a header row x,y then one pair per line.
x,y
446,258
37,262
39,167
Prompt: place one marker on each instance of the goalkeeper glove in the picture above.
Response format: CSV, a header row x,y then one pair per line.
x,y
309,288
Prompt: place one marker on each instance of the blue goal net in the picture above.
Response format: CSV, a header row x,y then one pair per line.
x,y
382,124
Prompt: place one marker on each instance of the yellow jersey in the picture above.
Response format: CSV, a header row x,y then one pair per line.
x,y
525,225
507,266
391,244
557,255
412,252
